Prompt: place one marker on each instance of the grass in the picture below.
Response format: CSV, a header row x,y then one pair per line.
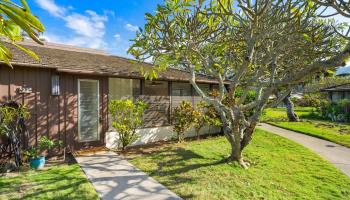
x,y
281,169
57,182
279,114
331,131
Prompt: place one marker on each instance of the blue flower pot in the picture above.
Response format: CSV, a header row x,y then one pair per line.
x,y
37,163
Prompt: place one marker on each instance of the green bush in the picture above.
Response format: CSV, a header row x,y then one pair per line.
x,y
183,118
308,100
339,112
44,144
126,118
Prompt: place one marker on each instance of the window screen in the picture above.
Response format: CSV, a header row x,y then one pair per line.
x,y
181,89
120,88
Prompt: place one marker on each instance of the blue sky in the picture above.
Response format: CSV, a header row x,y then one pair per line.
x,y
100,24
104,24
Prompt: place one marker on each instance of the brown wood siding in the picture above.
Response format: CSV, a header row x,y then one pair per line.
x,y
52,116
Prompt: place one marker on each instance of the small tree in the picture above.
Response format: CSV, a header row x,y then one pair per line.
x,y
12,126
266,46
182,119
126,118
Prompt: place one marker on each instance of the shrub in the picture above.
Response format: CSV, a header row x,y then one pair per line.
x,y
199,117
44,144
183,118
309,100
126,118
338,112
205,114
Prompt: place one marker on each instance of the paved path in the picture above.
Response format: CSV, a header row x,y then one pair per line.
x,y
115,178
334,153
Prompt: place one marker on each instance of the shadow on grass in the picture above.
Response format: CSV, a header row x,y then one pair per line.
x,y
60,183
176,162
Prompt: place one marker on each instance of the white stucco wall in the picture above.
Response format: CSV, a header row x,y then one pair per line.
x,y
149,135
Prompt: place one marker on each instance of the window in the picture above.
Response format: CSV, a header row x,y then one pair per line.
x,y
181,89
156,88
337,96
88,106
347,95
120,88
55,85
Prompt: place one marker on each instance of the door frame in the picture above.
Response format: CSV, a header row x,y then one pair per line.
x,y
98,110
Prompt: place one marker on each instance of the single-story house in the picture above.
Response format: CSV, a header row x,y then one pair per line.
x,y
338,92
68,90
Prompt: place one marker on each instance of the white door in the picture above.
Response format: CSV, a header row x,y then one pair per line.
x,y
88,106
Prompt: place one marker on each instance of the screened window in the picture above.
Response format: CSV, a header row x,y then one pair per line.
x,y
120,88
347,95
156,88
88,101
181,89
337,96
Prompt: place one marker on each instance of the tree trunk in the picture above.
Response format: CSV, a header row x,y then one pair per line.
x,y
235,141
292,116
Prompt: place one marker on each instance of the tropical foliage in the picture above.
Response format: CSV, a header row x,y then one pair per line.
x,y
15,19
182,119
268,46
12,128
126,117
44,144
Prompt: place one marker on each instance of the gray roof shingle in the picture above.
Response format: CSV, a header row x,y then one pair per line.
x,y
76,60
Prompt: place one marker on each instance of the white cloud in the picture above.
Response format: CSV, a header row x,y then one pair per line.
x,y
51,7
131,27
117,38
90,25
88,29
95,43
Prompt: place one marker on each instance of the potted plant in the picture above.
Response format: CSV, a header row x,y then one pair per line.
x,y
36,158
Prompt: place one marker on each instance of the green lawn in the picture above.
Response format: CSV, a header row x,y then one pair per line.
x,y
279,114
281,169
331,131
57,182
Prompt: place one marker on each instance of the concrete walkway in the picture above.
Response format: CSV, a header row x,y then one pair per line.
x,y
115,178
334,153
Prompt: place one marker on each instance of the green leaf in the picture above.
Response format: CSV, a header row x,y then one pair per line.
x,y
27,51
307,37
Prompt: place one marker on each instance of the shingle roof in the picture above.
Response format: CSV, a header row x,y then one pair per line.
x,y
83,61
337,88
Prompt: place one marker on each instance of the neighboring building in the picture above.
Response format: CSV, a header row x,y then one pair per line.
x,y
338,92
68,90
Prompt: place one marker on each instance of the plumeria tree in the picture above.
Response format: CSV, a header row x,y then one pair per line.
x,y
341,7
265,46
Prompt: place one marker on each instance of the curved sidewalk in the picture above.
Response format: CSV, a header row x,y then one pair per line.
x,y
334,153
113,177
